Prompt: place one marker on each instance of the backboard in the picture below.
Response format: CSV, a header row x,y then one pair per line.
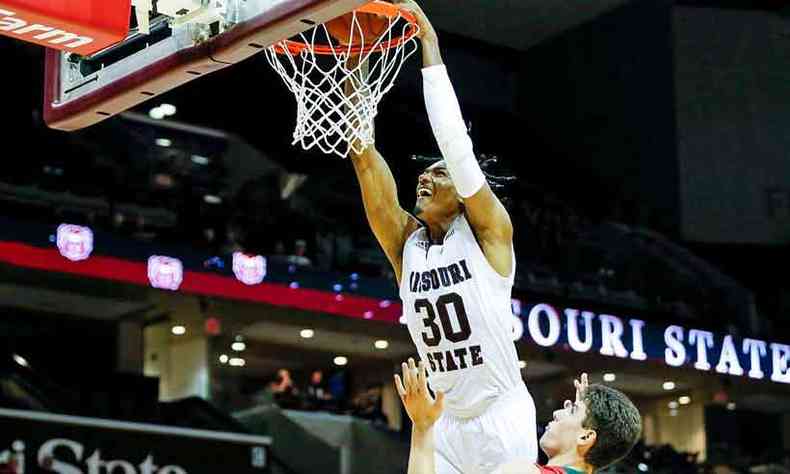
x,y
166,50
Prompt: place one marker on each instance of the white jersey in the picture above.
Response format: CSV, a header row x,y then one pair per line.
x,y
458,310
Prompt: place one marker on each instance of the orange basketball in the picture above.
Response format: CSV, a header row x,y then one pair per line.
x,y
371,27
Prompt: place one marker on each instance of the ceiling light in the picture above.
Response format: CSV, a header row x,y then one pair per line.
x,y
200,160
157,113
237,362
178,330
238,346
669,385
522,364
164,142
21,360
673,405
642,467
341,361
609,377
212,199
684,400
168,109
381,344
307,333
731,406
368,315
223,359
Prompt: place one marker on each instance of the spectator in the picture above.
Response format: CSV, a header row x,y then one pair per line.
x,y
368,405
298,257
279,253
285,393
724,469
317,393
326,250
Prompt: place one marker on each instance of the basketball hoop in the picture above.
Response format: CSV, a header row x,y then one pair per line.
x,y
339,81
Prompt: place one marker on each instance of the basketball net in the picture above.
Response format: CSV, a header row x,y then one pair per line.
x,y
338,87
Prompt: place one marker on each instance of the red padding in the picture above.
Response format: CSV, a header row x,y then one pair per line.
x,y
78,26
111,268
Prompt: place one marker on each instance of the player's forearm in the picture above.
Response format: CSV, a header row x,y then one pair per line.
x,y
421,457
375,180
387,219
431,52
449,129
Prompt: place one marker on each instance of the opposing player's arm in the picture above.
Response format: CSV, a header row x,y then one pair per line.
x,y
486,214
423,410
390,223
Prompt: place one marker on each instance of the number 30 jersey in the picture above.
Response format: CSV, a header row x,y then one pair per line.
x,y
458,311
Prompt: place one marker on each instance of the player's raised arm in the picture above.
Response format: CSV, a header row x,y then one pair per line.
x,y
423,410
390,223
486,214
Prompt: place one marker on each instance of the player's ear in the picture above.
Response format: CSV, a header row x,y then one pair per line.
x,y
586,440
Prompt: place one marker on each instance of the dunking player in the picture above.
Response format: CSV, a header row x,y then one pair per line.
x,y
596,430
455,265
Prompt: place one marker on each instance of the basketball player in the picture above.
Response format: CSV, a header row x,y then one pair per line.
x,y
455,264
596,430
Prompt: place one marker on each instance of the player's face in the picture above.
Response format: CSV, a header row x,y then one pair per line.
x,y
565,432
436,194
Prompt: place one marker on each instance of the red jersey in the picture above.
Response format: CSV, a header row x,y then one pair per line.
x,y
556,470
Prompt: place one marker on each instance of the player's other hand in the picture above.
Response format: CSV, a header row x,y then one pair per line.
x,y
413,390
426,28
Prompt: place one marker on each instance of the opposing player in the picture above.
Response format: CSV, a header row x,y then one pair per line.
x,y
455,265
596,430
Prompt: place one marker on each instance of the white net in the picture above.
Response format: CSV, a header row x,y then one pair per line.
x,y
338,87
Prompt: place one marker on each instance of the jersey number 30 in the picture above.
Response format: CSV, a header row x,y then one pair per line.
x,y
432,336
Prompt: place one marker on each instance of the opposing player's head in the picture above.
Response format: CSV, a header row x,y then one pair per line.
x,y
437,197
601,428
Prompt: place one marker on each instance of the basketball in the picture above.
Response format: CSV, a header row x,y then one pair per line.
x,y
371,28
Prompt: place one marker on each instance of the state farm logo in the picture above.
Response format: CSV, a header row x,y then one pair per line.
x,y
11,22
65,456
75,242
249,269
165,273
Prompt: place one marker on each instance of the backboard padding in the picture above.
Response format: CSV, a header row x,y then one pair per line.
x,y
285,19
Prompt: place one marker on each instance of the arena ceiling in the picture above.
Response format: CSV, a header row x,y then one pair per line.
x,y
524,23
515,23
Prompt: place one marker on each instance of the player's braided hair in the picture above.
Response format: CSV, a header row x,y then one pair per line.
x,y
496,182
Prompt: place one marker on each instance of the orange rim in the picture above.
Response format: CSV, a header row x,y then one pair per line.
x,y
375,7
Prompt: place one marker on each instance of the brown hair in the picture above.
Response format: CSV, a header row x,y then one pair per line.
x,y
616,421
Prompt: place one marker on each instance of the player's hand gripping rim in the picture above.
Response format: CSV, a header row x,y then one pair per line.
x,y
426,28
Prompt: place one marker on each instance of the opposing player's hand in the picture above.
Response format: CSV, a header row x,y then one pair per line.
x,y
426,28
413,390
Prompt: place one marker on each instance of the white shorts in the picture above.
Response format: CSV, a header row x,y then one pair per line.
x,y
506,431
